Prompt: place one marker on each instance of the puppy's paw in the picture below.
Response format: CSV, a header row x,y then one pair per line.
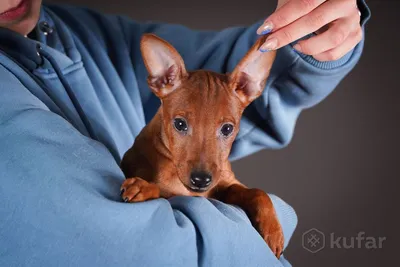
x,y
138,190
271,231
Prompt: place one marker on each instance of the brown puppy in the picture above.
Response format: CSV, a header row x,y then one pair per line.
x,y
184,149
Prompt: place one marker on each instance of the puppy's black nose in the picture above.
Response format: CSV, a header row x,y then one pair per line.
x,y
200,180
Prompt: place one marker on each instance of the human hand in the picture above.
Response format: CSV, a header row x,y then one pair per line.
x,y
336,23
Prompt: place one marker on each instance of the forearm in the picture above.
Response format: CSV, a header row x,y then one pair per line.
x,y
61,204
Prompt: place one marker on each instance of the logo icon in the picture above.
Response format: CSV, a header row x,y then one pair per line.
x,y
313,240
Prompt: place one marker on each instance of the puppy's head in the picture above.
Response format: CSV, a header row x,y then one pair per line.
x,y
201,110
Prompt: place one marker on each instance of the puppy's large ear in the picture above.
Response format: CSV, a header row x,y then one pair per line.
x,y
249,77
164,64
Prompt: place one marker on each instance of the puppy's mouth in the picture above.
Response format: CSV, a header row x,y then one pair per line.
x,y
197,189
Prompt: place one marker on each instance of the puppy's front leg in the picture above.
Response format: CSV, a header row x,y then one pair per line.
x,y
137,190
259,208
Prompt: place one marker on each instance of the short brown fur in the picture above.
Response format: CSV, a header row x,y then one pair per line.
x,y
161,159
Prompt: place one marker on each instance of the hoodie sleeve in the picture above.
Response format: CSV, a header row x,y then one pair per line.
x,y
296,82
59,195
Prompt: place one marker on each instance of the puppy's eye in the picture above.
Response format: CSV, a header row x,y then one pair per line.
x,y
180,125
226,129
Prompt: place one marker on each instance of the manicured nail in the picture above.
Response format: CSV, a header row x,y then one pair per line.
x,y
126,199
297,47
265,28
270,44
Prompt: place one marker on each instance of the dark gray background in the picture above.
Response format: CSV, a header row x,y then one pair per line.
x,y
340,169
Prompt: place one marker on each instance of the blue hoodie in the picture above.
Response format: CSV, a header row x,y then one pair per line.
x,y
73,97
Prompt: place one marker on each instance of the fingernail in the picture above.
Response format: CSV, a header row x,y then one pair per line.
x,y
122,191
265,28
297,47
126,199
270,44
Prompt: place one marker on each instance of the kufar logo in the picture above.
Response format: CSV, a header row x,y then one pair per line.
x,y
313,240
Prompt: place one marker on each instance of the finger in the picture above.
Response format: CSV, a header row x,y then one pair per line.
x,y
289,12
334,36
338,52
325,27
310,23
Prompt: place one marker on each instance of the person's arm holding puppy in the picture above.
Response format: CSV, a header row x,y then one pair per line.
x,y
60,203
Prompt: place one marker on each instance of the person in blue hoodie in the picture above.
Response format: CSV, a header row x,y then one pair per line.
x,y
73,96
